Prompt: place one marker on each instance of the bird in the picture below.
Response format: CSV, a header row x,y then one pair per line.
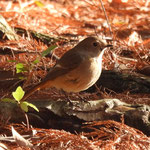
x,y
77,70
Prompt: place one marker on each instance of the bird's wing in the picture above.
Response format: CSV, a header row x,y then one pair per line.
x,y
67,62
71,59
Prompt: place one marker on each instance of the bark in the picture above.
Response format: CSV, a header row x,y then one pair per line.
x,y
70,116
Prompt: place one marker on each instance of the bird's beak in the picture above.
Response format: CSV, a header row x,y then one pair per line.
x,y
109,45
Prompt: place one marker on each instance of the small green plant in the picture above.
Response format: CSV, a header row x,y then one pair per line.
x,y
48,50
18,95
20,68
24,68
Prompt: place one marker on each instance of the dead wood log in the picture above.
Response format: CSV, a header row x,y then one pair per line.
x,y
123,81
70,116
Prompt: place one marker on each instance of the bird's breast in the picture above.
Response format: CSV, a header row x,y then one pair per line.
x,y
80,78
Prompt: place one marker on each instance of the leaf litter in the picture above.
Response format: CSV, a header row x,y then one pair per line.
x,y
74,20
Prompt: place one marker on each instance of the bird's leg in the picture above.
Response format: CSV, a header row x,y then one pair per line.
x,y
71,103
82,98
66,96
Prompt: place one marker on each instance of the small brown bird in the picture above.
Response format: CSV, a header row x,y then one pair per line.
x,y
77,70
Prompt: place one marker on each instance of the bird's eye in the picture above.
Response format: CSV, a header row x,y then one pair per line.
x,y
95,44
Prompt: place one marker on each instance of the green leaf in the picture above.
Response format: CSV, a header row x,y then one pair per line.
x,y
12,61
22,78
39,4
36,61
20,68
33,106
24,106
18,94
48,50
8,100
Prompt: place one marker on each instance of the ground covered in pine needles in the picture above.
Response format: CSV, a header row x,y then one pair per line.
x,y
41,24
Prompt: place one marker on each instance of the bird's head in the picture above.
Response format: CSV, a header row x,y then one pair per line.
x,y
93,46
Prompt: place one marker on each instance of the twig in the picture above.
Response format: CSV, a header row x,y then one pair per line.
x,y
109,26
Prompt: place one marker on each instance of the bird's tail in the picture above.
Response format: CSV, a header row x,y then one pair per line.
x,y
37,87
